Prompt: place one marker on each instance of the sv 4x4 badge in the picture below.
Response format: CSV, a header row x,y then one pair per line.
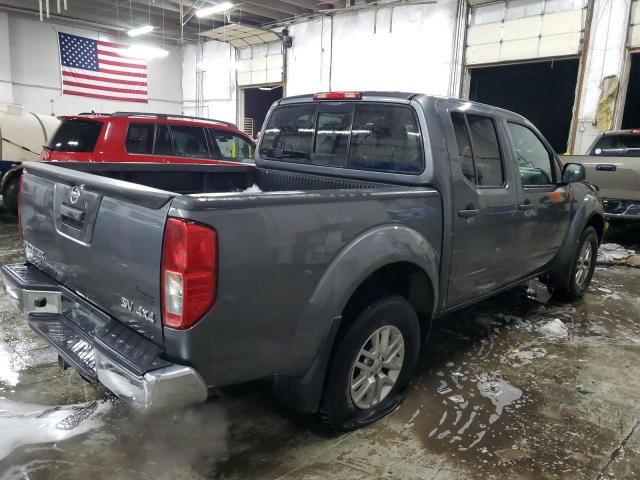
x,y
141,312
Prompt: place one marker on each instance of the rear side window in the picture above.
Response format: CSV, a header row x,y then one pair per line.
x,y
618,145
476,137
380,137
162,144
76,136
229,146
140,138
464,146
189,141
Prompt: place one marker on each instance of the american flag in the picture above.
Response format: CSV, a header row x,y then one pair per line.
x,y
93,68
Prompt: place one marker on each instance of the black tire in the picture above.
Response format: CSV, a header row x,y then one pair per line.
x,y
337,409
10,195
576,290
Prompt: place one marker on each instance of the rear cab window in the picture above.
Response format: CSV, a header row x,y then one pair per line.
x,y
370,136
622,145
76,136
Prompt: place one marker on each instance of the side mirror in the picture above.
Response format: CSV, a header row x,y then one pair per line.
x,y
573,172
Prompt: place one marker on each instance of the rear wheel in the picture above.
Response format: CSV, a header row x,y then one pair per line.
x,y
582,267
372,365
10,195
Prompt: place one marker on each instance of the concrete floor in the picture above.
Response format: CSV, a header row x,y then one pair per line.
x,y
494,397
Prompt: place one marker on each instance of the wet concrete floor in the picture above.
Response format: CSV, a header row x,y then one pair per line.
x,y
510,389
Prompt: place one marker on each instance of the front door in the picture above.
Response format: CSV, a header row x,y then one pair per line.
x,y
485,209
545,206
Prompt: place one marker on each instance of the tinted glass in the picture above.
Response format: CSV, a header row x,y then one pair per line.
x,y
290,133
231,147
385,137
140,138
76,136
189,142
618,145
163,144
332,137
464,146
532,158
486,151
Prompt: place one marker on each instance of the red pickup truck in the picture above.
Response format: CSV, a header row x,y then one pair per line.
x,y
139,137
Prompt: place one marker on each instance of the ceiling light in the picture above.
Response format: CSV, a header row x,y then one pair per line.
x,y
134,32
146,53
213,9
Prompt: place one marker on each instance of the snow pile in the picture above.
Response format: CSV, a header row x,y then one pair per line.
x,y
554,329
252,189
614,254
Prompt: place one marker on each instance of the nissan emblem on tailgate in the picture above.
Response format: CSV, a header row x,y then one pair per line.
x,y
74,196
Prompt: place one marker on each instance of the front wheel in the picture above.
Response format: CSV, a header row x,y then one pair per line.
x,y
582,267
372,365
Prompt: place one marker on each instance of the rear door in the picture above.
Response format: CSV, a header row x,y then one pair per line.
x,y
617,177
485,223
99,237
545,207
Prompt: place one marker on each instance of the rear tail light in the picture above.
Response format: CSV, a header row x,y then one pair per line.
x,y
189,272
338,96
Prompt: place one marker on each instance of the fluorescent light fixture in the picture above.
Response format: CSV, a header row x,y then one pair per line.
x,y
134,32
146,53
213,9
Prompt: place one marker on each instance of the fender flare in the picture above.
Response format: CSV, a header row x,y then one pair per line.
x,y
373,249
589,208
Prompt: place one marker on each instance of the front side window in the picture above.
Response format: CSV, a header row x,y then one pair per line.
x,y
532,158
231,146
140,138
189,142
76,136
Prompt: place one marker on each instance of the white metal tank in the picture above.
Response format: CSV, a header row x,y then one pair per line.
x,y
20,130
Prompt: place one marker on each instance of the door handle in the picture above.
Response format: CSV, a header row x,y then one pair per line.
x,y
468,213
606,167
526,206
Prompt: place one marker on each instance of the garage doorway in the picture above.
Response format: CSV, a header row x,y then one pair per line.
x,y
631,117
255,104
543,92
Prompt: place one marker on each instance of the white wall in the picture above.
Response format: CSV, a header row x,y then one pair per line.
x,y
6,87
410,49
605,57
35,72
215,61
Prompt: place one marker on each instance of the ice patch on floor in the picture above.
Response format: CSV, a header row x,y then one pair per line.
x,y
27,424
8,372
614,254
554,329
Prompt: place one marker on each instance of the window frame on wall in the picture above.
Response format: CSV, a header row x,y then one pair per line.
x,y
472,146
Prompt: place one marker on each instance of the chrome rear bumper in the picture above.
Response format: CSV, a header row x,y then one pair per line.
x,y
102,349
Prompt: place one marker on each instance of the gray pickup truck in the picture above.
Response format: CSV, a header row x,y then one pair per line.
x,y
366,216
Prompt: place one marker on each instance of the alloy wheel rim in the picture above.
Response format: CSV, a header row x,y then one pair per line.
x,y
584,263
377,367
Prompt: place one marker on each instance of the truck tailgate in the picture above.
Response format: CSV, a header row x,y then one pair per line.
x,y
617,177
99,237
